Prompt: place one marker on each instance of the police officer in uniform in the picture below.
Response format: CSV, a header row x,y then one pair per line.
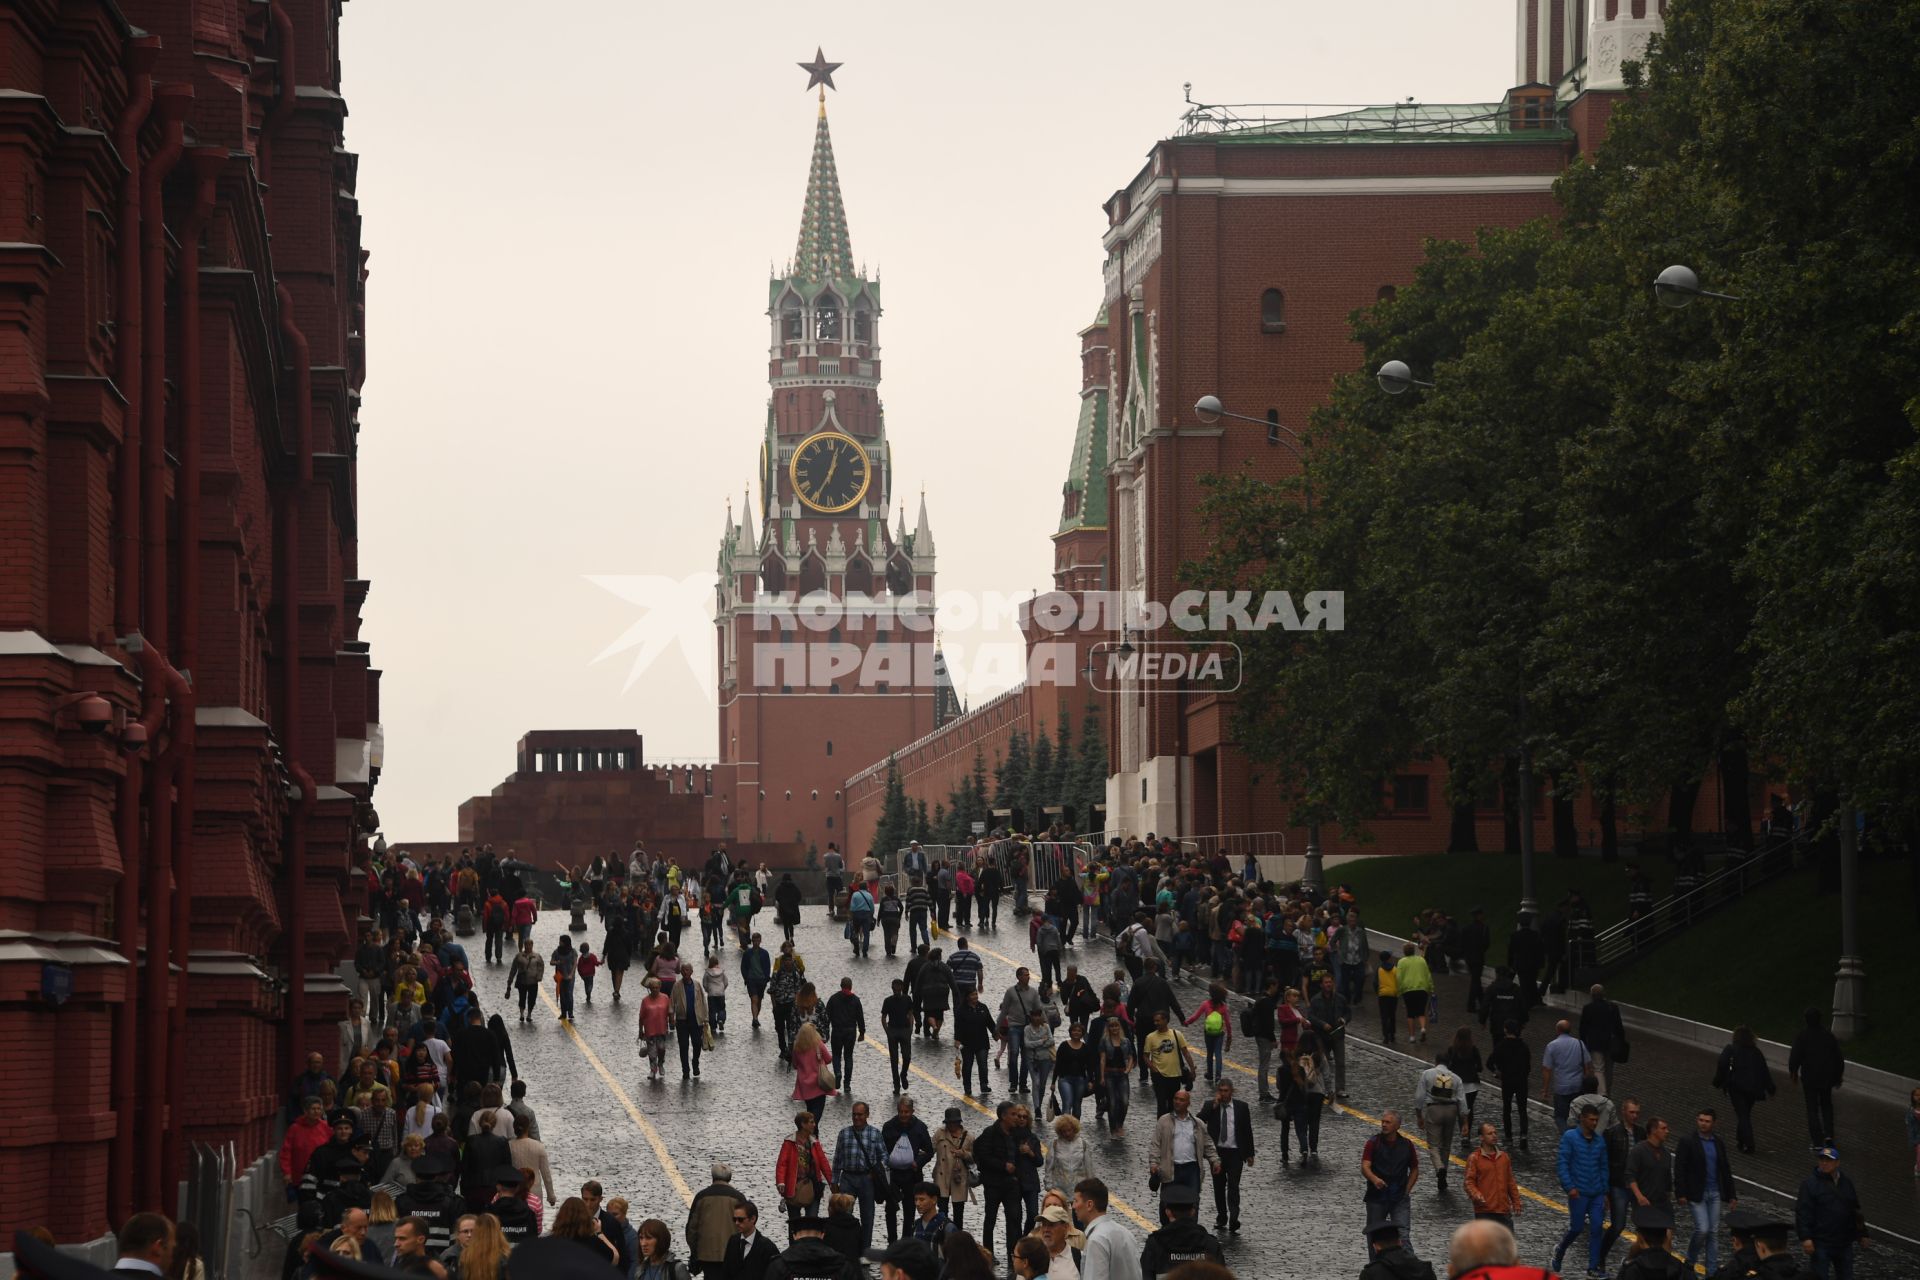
x,y
1652,1261
433,1200
1391,1261
1776,1257
1182,1239
517,1222
1740,1225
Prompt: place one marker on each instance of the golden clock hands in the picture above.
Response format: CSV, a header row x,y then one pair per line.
x,y
831,467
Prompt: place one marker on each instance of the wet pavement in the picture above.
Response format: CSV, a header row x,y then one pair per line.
x,y
654,1143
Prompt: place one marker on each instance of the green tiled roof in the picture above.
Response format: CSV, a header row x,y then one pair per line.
x,y
825,252
1087,470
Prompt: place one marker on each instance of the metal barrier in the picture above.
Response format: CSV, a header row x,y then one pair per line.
x,y
211,1174
1619,943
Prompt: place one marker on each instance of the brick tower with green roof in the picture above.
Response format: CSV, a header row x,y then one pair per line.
x,y
801,708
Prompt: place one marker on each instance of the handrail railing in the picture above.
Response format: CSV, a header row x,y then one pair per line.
x,y
1626,939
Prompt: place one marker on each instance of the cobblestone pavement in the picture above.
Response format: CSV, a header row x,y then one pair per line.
x,y
1672,1077
654,1143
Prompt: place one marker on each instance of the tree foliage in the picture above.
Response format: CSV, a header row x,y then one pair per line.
x,y
1637,540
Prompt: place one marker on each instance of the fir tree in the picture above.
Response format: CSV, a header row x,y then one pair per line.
x,y
1010,779
896,817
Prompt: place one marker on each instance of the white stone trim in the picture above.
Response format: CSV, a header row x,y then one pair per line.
x,y
1435,185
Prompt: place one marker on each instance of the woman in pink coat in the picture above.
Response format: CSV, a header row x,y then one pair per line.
x,y
810,1054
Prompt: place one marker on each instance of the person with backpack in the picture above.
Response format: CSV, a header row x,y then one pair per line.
x,y
524,977
1436,1107
525,913
859,929
495,918
891,911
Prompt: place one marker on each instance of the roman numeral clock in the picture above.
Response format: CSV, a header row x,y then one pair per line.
x,y
830,471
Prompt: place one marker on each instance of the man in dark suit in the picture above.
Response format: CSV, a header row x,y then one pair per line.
x,y
1231,1124
749,1252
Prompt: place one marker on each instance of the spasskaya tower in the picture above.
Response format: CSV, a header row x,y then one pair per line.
x,y
824,615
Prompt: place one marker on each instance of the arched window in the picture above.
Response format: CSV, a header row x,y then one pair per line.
x,y
793,327
862,323
829,746
1387,293
1273,312
826,318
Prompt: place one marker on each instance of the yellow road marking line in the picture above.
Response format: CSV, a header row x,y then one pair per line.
x,y
1113,1201
645,1125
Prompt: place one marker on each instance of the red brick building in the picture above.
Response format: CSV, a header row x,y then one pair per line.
x,y
189,721
578,794
1234,257
824,613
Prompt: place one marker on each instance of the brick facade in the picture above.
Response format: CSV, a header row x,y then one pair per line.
x,y
1329,213
178,414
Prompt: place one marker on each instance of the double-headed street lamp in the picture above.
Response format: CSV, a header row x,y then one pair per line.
x,y
1209,410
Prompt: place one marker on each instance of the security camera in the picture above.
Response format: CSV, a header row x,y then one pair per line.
x,y
133,737
94,714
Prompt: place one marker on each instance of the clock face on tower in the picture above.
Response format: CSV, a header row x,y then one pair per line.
x,y
830,471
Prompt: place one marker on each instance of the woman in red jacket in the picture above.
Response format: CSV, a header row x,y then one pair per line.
x,y
802,1174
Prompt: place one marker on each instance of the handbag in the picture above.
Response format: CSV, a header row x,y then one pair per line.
x,y
706,1039
828,1080
1622,1051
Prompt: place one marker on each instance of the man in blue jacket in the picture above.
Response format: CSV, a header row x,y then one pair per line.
x,y
1583,1176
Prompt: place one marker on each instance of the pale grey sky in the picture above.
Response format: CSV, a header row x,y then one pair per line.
x,y
571,211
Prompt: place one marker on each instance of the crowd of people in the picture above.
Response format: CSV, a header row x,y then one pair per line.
x,y
416,1148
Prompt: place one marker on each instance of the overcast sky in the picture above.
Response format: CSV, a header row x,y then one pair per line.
x,y
572,210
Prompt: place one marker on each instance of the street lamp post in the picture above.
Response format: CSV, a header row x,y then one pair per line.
x,y
1209,410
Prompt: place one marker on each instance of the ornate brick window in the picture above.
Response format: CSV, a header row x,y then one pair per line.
x,y
1273,312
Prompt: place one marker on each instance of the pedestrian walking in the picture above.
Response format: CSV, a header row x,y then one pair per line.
x,y
756,971
1116,1065
1415,982
563,963
813,1078
860,1159
1170,1058
1827,1219
953,1159
1436,1109
1742,1073
1328,1012
1603,1032
1386,986
846,1026
714,983
1817,1064
524,977
1703,1183
1621,1137
1391,1168
1216,1018
789,975
1229,1123
802,1174
688,1003
1389,1257
896,1019
1490,1182
1582,1166
655,1026
1563,1070
909,1147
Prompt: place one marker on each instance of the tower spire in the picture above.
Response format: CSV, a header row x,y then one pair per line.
x,y
825,251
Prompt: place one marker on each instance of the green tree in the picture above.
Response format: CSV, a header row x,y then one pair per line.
x,y
1088,782
895,827
1039,791
1010,779
922,825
